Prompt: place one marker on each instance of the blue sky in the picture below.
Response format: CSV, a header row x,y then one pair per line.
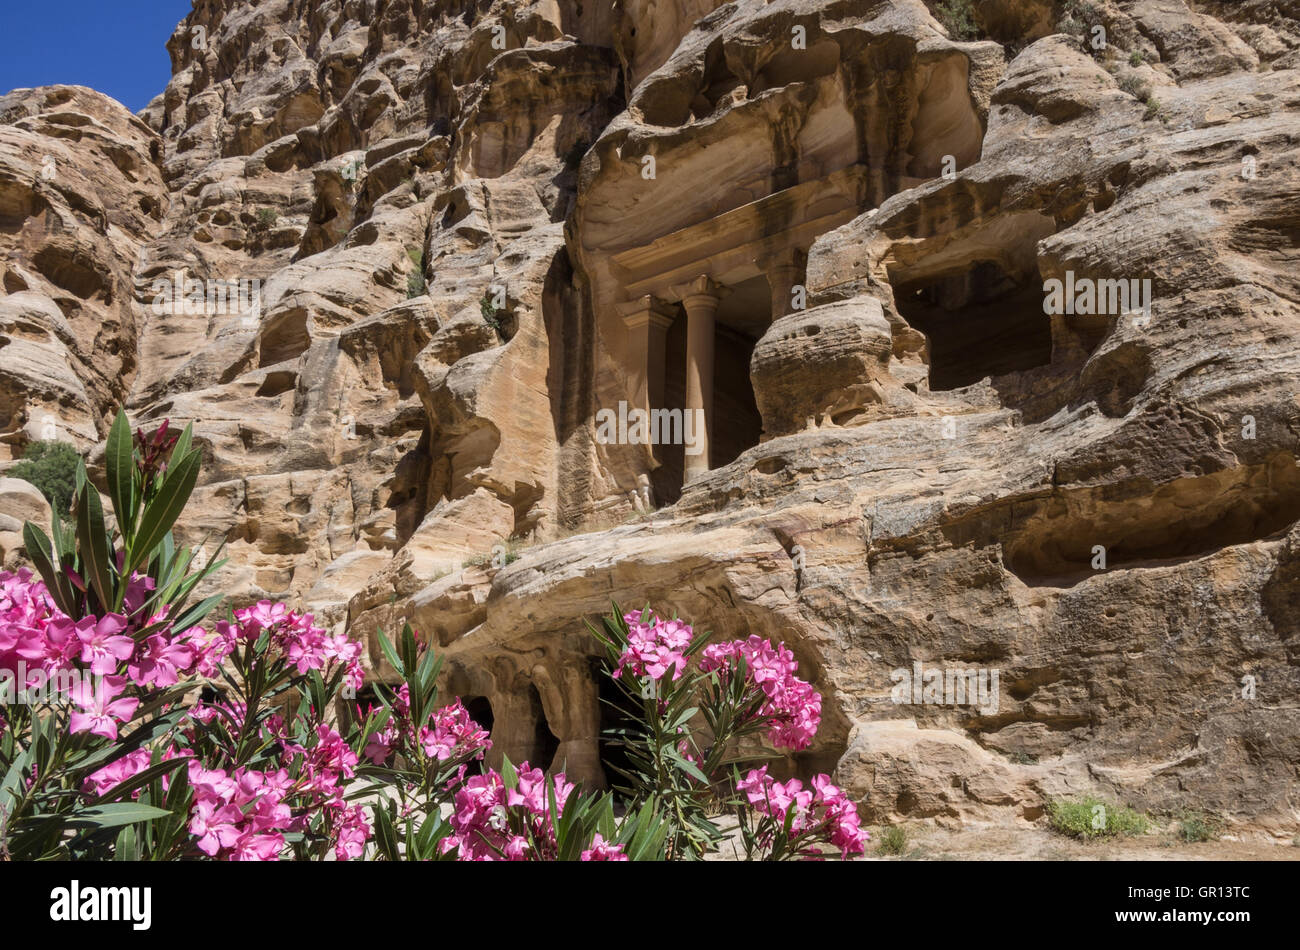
x,y
115,46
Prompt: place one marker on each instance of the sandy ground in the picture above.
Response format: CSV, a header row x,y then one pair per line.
x,y
1040,844
926,842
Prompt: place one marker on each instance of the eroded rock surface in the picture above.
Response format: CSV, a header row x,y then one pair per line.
x,y
466,230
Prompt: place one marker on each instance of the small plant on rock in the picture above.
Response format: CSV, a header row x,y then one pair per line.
x,y
491,314
415,283
1200,826
52,468
893,840
1090,817
958,18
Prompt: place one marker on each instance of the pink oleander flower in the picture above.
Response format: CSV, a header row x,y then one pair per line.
x,y
380,744
101,711
138,590
117,772
823,810
353,833
530,791
251,846
602,850
486,816
215,826
792,707
160,662
102,643
452,733
654,647
355,676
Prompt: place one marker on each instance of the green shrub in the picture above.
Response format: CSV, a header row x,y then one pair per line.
x,y
893,840
491,315
1135,87
1090,817
1200,826
1153,108
958,18
266,218
500,555
415,284
1137,58
52,468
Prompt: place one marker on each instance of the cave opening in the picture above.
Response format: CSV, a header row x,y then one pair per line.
x,y
480,710
544,742
980,322
618,711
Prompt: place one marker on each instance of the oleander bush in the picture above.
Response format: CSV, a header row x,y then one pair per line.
x,y
137,722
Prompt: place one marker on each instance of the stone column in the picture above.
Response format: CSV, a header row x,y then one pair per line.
x,y
700,297
783,272
647,320
571,704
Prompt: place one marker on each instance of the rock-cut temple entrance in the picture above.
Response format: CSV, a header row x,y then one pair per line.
x,y
698,299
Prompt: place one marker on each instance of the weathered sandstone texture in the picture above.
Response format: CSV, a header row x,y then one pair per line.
x,y
830,227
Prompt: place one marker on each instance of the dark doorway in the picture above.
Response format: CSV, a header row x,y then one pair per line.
x,y
980,322
545,742
480,710
618,711
743,315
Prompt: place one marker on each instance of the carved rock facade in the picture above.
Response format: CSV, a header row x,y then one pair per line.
x,y
825,225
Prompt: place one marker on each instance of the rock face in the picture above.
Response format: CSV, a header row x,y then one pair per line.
x,y
994,341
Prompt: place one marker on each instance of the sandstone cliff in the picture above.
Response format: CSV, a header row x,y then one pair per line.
x,y
473,226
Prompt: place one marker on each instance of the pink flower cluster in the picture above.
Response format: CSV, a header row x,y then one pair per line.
x,y
823,810
792,707
654,647
82,661
602,850
489,821
117,772
28,645
452,733
243,815
449,734
304,645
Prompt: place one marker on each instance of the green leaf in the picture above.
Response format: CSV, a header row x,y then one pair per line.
x,y
162,512
120,466
11,786
100,817
685,765
390,653
125,849
39,551
386,835
94,544
179,450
